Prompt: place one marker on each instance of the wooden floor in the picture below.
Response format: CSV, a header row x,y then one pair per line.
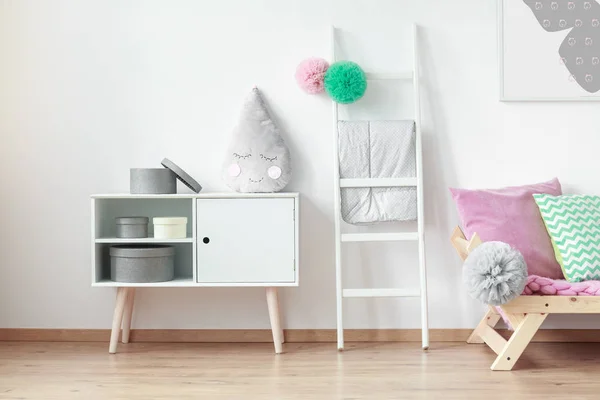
x,y
306,371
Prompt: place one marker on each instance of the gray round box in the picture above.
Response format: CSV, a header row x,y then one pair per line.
x,y
132,227
142,263
152,181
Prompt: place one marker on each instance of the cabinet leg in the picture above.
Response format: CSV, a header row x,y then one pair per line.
x,y
117,319
273,304
281,334
127,315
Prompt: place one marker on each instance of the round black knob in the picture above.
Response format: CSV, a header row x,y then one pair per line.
x,y
206,240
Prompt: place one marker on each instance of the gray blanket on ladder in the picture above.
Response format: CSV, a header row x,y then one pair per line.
x,y
377,149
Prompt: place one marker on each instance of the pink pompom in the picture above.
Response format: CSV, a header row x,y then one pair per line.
x,y
310,74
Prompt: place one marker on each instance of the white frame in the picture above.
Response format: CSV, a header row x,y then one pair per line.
x,y
502,97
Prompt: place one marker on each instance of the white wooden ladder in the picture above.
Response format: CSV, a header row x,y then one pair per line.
x,y
418,236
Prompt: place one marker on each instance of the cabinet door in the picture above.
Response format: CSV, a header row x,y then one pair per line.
x,y
245,240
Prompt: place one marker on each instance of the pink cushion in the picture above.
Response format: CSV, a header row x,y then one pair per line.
x,y
510,215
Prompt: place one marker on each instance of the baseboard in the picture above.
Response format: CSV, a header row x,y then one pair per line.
x,y
291,335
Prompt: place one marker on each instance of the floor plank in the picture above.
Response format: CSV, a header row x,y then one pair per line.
x,y
306,371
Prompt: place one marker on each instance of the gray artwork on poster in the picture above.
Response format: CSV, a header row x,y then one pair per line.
x,y
580,50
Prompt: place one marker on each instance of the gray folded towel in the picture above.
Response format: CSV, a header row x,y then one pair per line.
x,y
377,149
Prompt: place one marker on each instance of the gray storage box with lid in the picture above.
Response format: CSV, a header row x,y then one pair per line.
x,y
142,263
132,227
152,181
160,180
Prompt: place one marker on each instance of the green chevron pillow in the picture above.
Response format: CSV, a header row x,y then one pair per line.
x,y
573,223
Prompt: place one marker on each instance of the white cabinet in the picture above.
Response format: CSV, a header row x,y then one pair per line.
x,y
246,240
233,239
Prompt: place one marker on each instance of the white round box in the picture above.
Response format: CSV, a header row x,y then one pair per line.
x,y
170,227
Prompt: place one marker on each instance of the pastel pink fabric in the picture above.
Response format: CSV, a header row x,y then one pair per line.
x,y
540,286
511,215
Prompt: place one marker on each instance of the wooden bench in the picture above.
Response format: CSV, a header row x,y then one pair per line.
x,y
525,313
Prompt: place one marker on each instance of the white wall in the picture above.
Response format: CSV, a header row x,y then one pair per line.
x,y
90,89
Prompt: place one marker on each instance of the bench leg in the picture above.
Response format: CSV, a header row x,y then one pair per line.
x,y
490,319
519,340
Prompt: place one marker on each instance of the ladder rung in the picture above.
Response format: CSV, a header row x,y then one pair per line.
x,y
379,237
381,293
375,76
377,182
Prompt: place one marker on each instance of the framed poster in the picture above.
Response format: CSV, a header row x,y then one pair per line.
x,y
549,50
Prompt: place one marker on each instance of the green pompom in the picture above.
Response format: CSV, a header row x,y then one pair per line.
x,y
345,82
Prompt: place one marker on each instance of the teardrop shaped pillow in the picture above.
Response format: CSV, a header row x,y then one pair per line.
x,y
257,160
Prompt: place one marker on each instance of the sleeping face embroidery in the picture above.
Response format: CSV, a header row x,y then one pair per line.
x,y
271,170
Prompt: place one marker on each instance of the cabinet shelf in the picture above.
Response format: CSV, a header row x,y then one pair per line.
x,y
143,240
189,282
179,281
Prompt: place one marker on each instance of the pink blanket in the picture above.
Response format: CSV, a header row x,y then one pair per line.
x,y
537,285
540,286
